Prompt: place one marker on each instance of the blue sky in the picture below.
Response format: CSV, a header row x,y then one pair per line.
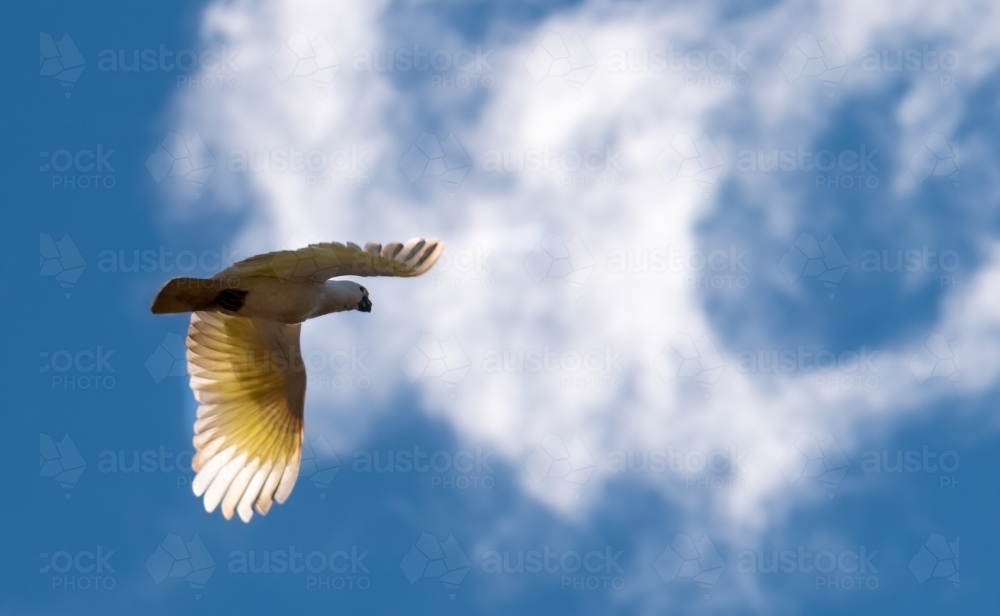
x,y
700,443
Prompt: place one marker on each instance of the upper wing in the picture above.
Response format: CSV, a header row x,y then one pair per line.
x,y
248,376
320,262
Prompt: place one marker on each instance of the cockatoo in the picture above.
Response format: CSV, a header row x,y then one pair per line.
x,y
245,362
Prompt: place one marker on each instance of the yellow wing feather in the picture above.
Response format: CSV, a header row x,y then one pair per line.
x,y
248,377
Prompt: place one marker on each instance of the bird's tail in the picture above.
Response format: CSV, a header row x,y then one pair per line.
x,y
187,295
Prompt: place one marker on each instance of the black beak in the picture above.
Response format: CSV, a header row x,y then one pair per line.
x,y
365,305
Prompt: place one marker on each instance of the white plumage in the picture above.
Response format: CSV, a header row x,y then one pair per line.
x,y
246,366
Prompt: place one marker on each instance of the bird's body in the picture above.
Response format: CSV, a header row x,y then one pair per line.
x,y
274,299
245,362
281,300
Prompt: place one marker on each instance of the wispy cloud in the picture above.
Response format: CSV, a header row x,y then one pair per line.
x,y
557,151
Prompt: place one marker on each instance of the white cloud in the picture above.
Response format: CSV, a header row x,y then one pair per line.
x,y
510,213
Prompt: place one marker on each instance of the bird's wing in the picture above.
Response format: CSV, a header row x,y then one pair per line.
x,y
320,262
248,376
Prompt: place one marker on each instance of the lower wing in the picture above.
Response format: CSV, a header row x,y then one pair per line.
x,y
248,376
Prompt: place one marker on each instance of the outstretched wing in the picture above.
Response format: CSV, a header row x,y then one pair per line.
x,y
248,377
320,262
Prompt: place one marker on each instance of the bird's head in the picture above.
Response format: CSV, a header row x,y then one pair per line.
x,y
364,304
342,295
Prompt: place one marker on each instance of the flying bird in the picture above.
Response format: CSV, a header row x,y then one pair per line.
x,y
245,362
